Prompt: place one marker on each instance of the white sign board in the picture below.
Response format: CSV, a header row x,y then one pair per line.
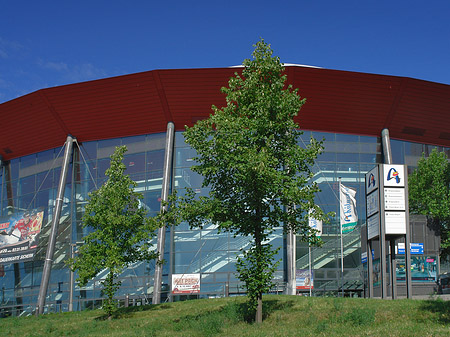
x,y
372,182
372,201
395,222
394,199
393,175
373,227
185,283
317,225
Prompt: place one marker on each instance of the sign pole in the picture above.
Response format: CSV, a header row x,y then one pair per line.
x,y
342,242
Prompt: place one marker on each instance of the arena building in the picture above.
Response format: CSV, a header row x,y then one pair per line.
x,y
346,109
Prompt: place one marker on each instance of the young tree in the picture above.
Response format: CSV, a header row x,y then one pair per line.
x,y
429,194
121,231
249,156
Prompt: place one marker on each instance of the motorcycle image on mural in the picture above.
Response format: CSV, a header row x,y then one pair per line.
x,y
19,236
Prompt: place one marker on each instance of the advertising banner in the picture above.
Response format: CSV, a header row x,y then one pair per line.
x,y
423,269
316,224
19,236
185,284
304,280
349,217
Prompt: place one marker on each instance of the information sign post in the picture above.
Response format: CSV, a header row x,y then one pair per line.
x,y
387,218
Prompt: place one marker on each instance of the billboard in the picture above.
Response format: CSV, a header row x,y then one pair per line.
x,y
304,280
19,236
185,284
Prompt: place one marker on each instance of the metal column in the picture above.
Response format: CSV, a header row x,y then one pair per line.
x,y
164,197
290,257
370,268
407,241
54,227
387,153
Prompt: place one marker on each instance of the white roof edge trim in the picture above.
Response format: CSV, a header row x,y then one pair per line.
x,y
286,65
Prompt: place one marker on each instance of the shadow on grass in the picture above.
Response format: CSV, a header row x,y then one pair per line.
x,y
128,312
234,312
440,307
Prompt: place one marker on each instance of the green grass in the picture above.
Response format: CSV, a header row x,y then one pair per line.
x,y
283,316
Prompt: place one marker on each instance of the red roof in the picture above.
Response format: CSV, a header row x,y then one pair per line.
x,y
337,101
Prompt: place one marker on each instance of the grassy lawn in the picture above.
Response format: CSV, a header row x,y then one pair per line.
x,y
284,316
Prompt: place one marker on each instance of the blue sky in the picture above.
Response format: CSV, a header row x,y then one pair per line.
x,y
50,43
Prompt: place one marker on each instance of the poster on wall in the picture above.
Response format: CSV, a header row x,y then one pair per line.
x,y
184,284
19,236
423,268
303,279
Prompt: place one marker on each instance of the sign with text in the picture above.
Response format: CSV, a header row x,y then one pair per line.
x,y
373,227
19,236
414,248
185,284
394,195
394,199
372,203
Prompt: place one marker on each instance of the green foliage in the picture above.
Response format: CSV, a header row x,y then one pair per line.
x,y
249,156
121,231
429,193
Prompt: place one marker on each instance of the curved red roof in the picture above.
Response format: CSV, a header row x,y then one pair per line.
x,y
337,101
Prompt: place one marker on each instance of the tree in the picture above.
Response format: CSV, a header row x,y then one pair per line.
x,y
249,156
429,194
121,231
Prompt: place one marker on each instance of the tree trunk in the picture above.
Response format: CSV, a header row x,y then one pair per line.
x,y
258,243
258,317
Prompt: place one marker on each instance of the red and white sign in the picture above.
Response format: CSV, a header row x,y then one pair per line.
x,y
185,283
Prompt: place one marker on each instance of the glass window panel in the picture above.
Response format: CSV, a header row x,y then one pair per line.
x,y
154,181
179,139
88,151
134,163
328,195
326,156
155,160
330,147
27,185
368,139
184,157
45,198
185,177
45,156
44,180
109,143
340,137
368,158
347,157
329,137
27,161
26,202
152,201
347,147
102,166
85,171
14,169
134,139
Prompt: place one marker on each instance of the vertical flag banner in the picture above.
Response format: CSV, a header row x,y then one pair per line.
x,y
349,217
316,224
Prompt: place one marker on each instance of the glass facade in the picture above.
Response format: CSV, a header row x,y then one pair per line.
x,y
31,182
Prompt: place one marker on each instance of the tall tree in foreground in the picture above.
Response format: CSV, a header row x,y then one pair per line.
x,y
121,231
248,155
429,194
